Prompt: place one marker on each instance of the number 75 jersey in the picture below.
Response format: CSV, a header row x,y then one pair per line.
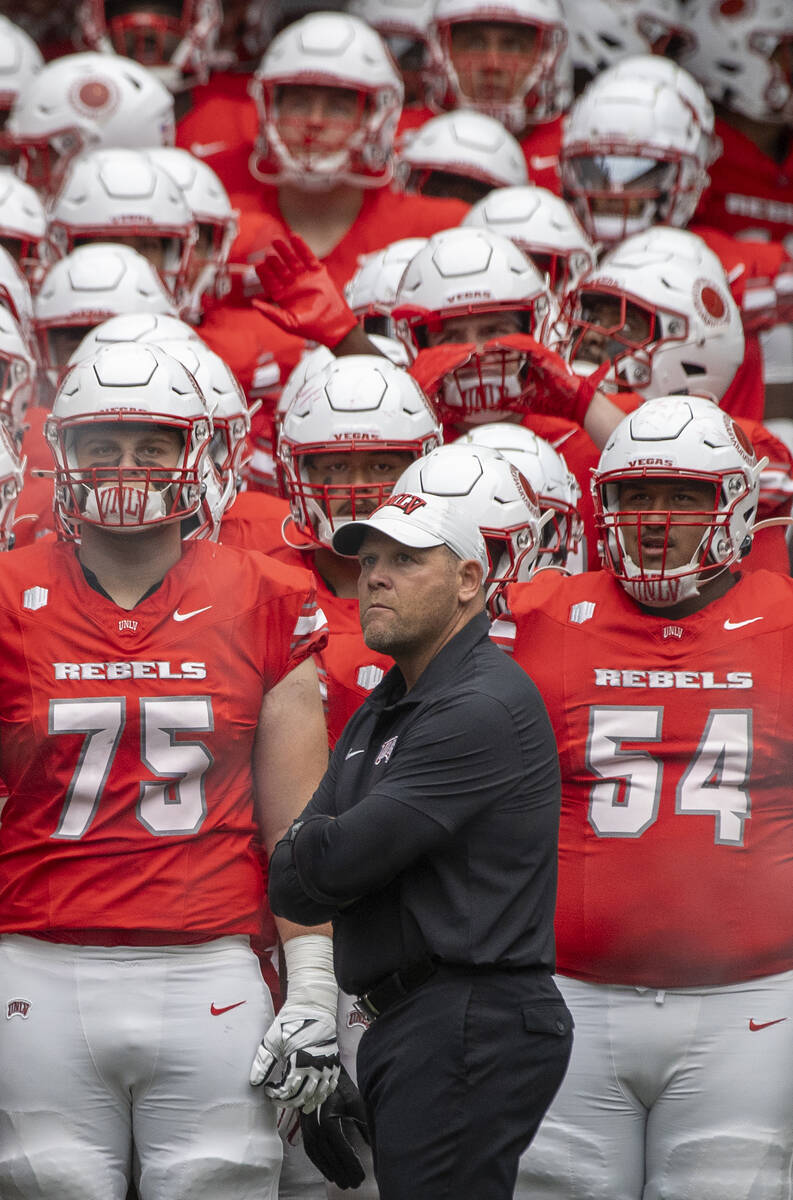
x,y
676,749
126,740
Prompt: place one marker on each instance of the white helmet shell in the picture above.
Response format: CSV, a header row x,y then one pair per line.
x,y
542,80
83,101
733,53
635,152
695,340
90,285
215,219
543,226
603,32
333,50
128,383
372,290
359,403
23,222
465,143
109,194
689,438
12,475
492,491
553,482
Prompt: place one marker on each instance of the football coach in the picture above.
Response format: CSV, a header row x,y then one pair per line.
x,y
431,844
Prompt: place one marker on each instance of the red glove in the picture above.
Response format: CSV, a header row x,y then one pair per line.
x,y
552,387
307,301
430,367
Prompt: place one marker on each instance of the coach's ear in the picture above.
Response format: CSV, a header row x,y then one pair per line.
x,y
471,580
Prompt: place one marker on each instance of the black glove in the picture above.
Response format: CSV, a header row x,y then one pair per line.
x,y
327,1134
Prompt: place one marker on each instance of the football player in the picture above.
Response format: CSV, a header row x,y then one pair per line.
x,y
186,717
665,679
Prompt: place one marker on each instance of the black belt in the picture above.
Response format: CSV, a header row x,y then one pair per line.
x,y
380,997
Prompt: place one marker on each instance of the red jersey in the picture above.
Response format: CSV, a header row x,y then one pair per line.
x,y
540,148
750,194
126,740
221,128
385,216
676,750
348,669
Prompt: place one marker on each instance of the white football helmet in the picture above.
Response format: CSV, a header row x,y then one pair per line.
x,y
23,226
178,49
742,54
689,335
18,373
543,226
405,27
20,59
537,83
133,384
12,476
130,383
562,540
336,50
466,145
144,328
372,290
83,101
90,285
635,152
216,223
15,296
121,195
356,403
603,32
231,417
470,271
691,439
486,485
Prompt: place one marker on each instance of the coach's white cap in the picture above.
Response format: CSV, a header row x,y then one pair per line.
x,y
421,520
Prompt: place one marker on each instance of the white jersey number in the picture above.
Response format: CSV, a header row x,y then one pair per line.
x,y
175,801
715,782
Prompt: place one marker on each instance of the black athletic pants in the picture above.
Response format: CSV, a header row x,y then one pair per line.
x,y
457,1076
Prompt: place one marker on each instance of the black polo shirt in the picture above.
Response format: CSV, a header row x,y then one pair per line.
x,y
446,804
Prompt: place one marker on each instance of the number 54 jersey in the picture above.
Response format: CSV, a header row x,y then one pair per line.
x,y
676,749
126,740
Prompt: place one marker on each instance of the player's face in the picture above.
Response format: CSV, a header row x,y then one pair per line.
x,y
613,324
475,327
372,473
135,447
671,515
407,597
62,343
492,58
315,118
152,246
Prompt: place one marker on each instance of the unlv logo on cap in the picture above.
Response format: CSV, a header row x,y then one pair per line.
x,y
94,97
407,502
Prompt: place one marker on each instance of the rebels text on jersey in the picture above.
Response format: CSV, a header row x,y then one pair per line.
x,y
676,748
126,740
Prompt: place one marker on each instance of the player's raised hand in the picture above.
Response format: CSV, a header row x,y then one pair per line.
x,y
301,296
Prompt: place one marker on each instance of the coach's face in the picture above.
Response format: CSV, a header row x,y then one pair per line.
x,y
409,599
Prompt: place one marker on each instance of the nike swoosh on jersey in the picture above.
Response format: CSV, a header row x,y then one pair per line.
x,y
352,753
755,1025
541,161
177,616
216,1012
204,149
728,624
